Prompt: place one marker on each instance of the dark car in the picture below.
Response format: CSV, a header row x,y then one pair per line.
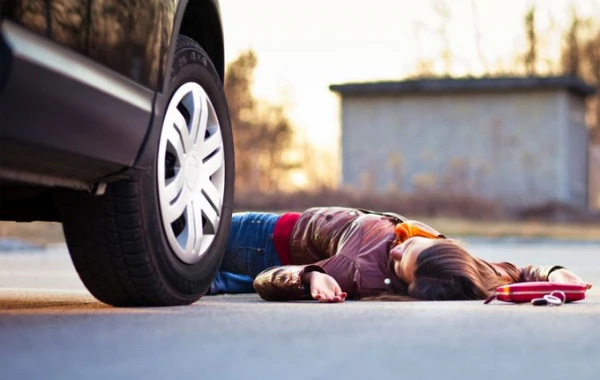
x,y
114,122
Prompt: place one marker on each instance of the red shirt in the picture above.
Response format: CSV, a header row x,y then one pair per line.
x,y
281,236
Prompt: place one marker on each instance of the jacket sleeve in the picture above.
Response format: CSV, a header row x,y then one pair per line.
x,y
530,273
284,283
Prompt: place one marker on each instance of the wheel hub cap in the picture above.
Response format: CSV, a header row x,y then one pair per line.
x,y
191,172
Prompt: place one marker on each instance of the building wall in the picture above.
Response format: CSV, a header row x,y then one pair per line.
x,y
505,146
578,157
594,177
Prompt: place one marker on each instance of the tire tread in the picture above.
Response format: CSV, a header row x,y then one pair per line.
x,y
113,265
107,238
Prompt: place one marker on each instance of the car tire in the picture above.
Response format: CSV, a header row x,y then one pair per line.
x,y
157,238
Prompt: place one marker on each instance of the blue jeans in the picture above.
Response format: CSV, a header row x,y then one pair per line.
x,y
250,250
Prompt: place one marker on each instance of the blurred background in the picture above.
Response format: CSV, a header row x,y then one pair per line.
x,y
438,107
480,117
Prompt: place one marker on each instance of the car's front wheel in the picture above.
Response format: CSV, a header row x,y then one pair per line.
x,y
158,238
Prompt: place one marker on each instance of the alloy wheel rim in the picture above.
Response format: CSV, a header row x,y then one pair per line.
x,y
191,172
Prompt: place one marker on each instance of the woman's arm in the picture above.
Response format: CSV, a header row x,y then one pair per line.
x,y
509,272
285,283
531,273
325,280
536,272
323,287
564,276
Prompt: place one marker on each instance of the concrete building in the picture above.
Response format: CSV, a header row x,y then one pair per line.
x,y
594,177
520,141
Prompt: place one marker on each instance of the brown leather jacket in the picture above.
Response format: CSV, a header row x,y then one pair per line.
x,y
353,247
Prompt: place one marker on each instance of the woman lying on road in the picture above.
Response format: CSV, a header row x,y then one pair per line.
x,y
333,253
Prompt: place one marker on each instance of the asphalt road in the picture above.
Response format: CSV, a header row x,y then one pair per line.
x,y
51,328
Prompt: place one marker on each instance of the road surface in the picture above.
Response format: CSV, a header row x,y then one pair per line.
x,y
51,328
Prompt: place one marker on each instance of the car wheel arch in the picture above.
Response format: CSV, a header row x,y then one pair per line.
x,y
201,21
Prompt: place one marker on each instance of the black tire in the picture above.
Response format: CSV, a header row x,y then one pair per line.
x,y
117,241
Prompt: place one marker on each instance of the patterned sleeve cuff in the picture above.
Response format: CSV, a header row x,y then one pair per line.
x,y
312,268
284,283
304,287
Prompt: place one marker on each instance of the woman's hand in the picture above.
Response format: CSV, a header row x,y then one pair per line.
x,y
323,287
564,276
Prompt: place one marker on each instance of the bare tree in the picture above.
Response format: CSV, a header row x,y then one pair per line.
x,y
591,52
425,67
532,42
571,53
442,9
478,43
580,57
262,131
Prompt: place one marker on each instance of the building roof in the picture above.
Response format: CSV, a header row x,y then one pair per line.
x,y
466,85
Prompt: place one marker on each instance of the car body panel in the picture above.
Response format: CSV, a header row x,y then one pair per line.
x,y
82,88
130,37
57,99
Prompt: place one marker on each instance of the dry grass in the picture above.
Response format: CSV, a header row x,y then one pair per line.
x,y
39,233
51,233
454,215
519,229
465,206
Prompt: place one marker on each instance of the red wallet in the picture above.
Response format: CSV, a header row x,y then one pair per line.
x,y
526,291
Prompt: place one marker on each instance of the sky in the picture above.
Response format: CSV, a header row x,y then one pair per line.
x,y
305,46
